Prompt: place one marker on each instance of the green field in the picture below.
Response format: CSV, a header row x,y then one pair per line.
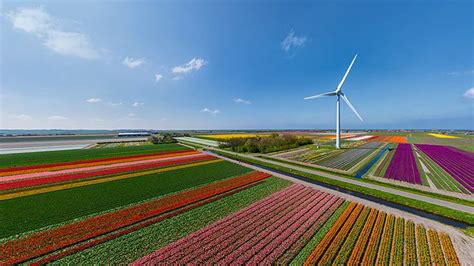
x,y
155,236
36,158
33,212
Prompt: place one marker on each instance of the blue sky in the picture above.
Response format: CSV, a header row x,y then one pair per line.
x,y
238,65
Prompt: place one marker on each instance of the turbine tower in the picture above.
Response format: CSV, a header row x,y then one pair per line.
x,y
338,92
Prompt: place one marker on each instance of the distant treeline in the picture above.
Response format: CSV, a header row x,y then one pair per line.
x,y
168,137
265,144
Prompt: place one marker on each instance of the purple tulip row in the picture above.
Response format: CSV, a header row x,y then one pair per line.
x,y
403,167
459,164
191,240
259,233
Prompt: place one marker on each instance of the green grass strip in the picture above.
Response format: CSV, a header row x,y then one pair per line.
x,y
306,251
36,211
47,157
464,217
127,248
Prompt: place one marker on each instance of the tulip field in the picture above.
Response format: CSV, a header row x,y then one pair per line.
x,y
435,166
181,206
403,167
299,226
459,164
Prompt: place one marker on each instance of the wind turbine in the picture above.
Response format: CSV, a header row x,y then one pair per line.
x,y
338,92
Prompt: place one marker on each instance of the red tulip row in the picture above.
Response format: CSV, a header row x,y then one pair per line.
x,y
138,226
23,183
258,234
37,244
15,170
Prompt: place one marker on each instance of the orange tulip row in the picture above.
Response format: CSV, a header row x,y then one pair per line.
x,y
396,255
424,256
364,236
383,256
351,209
373,245
410,244
435,246
449,252
350,240
333,249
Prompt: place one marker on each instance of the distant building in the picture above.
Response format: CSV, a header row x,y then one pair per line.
x,y
133,134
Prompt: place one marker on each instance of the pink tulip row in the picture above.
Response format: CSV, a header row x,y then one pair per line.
x,y
228,236
293,250
294,233
191,240
264,238
259,224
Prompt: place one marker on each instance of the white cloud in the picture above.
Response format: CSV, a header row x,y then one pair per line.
x,y
469,93
292,41
96,120
207,110
133,62
137,104
194,64
459,73
57,118
158,77
242,101
115,104
94,100
48,29
23,117
131,115
177,78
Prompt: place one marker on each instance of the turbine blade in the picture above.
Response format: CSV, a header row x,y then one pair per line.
x,y
344,97
332,93
345,75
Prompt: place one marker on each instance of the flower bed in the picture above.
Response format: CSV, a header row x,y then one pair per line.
x,y
403,167
34,245
459,164
103,172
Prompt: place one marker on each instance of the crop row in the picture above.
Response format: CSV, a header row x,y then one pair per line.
x,y
439,177
459,164
36,211
129,247
403,166
362,235
347,159
102,171
89,166
23,161
263,233
44,242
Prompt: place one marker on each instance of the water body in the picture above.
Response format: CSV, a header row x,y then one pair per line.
x,y
366,168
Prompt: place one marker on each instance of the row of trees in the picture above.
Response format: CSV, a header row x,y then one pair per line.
x,y
263,144
166,137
